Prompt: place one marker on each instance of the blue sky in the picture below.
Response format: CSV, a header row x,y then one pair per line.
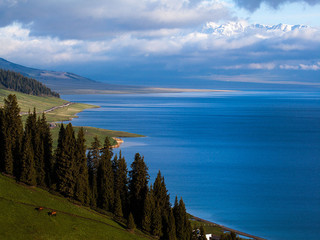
x,y
196,43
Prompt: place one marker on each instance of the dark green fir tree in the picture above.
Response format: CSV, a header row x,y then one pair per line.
x,y
147,212
65,162
82,192
138,187
27,171
171,229
202,233
105,178
13,133
118,206
46,142
130,222
120,170
93,161
156,225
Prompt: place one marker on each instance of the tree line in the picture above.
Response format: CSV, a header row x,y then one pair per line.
x,y
94,177
15,81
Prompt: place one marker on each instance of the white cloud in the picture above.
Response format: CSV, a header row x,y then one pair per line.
x,y
16,42
313,67
268,66
100,19
255,4
239,42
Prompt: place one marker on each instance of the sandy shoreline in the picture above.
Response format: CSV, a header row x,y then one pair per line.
x,y
119,142
228,229
141,91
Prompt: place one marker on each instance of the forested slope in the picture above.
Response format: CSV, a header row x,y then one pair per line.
x,y
15,81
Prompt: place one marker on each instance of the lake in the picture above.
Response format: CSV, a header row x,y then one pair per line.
x,y
247,160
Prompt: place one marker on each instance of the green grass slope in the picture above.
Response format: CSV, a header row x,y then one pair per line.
x,y
20,220
91,132
28,102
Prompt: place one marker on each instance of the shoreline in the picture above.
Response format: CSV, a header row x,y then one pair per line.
x,y
224,228
142,90
227,229
119,142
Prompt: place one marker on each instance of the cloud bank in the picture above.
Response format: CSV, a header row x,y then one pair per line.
x,y
185,36
235,45
253,5
100,19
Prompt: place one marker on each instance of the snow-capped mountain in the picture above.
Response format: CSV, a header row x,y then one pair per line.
x,y
235,28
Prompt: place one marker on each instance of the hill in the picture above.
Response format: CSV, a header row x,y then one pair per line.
x,y
65,82
20,220
15,81
58,110
70,83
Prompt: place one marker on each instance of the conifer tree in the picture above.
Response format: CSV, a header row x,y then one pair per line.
x,y
156,222
27,172
120,170
65,163
2,141
13,133
171,229
117,205
46,142
147,212
178,220
202,233
93,161
130,222
183,225
58,154
105,178
138,186
33,126
82,192
161,195
162,200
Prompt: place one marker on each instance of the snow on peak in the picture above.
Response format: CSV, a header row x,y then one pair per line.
x,y
235,28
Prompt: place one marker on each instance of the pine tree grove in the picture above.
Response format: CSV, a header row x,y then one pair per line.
x,y
94,180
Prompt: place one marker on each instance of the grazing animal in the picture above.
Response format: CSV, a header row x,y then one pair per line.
x,y
39,208
52,213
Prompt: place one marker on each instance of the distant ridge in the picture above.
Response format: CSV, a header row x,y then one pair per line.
x,y
11,80
52,79
68,83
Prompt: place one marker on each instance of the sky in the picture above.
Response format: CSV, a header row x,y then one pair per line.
x,y
188,43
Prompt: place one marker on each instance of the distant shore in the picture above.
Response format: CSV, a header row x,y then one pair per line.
x,y
142,90
226,229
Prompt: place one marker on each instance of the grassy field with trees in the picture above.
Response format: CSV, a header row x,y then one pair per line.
x,y
29,102
95,178
20,220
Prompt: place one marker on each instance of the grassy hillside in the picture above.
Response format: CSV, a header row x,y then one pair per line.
x,y
27,102
41,104
91,132
20,220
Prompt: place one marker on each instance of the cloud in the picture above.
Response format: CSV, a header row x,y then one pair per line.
x,y
275,65
239,44
100,19
16,42
264,79
253,5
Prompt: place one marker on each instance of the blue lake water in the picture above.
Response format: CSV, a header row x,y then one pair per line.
x,y
250,161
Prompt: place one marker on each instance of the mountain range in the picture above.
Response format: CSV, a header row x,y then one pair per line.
x,y
65,82
235,28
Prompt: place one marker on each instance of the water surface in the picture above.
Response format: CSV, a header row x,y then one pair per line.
x,y
250,161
